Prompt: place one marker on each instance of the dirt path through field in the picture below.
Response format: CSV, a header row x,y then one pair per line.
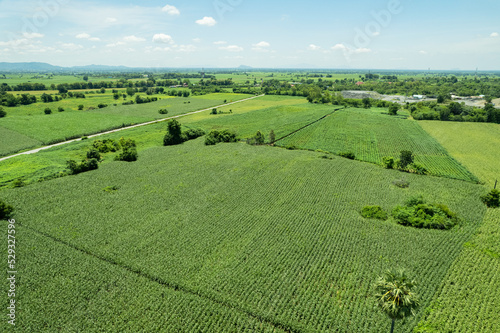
x,y
34,151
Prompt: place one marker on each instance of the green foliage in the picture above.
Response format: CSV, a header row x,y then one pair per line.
x,y
347,154
2,112
94,153
18,183
111,189
84,166
163,111
406,158
492,199
127,155
419,214
80,107
192,134
395,294
102,105
60,109
5,210
272,136
174,134
257,139
393,109
388,162
215,137
417,168
214,111
106,145
47,111
374,212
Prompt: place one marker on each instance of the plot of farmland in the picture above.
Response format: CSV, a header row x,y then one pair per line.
x,y
271,236
371,135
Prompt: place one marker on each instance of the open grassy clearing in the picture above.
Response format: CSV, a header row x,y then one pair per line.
x,y
12,142
60,126
475,145
271,232
373,134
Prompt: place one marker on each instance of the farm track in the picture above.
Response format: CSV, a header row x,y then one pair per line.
x,y
172,286
34,151
303,127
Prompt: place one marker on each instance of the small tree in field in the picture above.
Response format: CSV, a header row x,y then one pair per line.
x,y
47,111
272,136
2,112
492,199
393,109
395,295
405,159
5,210
174,135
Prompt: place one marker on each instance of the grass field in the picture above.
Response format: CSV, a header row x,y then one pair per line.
x,y
225,237
475,145
373,134
13,141
31,122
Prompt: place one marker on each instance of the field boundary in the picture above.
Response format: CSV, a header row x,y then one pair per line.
x,y
300,129
34,151
172,286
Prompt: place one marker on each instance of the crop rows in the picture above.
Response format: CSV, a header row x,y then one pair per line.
x,y
269,233
466,301
12,141
371,136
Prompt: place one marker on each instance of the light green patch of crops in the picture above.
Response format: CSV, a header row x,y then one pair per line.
x,y
12,141
467,299
60,288
265,231
475,145
371,135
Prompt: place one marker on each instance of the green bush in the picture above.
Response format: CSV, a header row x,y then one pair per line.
x,y
374,212
127,155
106,146
174,134
18,183
406,158
102,105
401,183
60,109
419,214
94,153
84,166
388,162
5,210
80,107
257,139
163,111
2,112
192,134
492,199
417,168
348,154
214,111
47,111
215,137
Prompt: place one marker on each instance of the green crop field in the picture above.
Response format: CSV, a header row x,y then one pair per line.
x,y
475,145
224,238
31,121
467,300
373,134
13,141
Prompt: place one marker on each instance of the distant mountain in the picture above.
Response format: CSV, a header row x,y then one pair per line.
x,y
245,67
28,67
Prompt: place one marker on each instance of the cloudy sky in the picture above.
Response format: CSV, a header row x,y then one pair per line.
x,y
377,34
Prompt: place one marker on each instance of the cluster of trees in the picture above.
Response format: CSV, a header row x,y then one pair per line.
x,y
406,162
420,214
175,135
216,136
454,112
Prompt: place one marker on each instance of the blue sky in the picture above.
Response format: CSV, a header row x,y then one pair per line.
x,y
376,34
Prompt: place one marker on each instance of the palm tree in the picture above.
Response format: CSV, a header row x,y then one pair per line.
x,y
395,294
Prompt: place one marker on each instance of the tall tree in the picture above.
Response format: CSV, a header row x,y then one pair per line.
x,y
395,295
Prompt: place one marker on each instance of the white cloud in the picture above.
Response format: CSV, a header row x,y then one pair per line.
x,y
231,48
83,36
422,52
221,42
494,34
362,50
313,47
71,46
171,10
262,44
15,42
163,38
340,47
197,40
88,37
133,39
110,20
185,48
208,21
33,35
115,44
